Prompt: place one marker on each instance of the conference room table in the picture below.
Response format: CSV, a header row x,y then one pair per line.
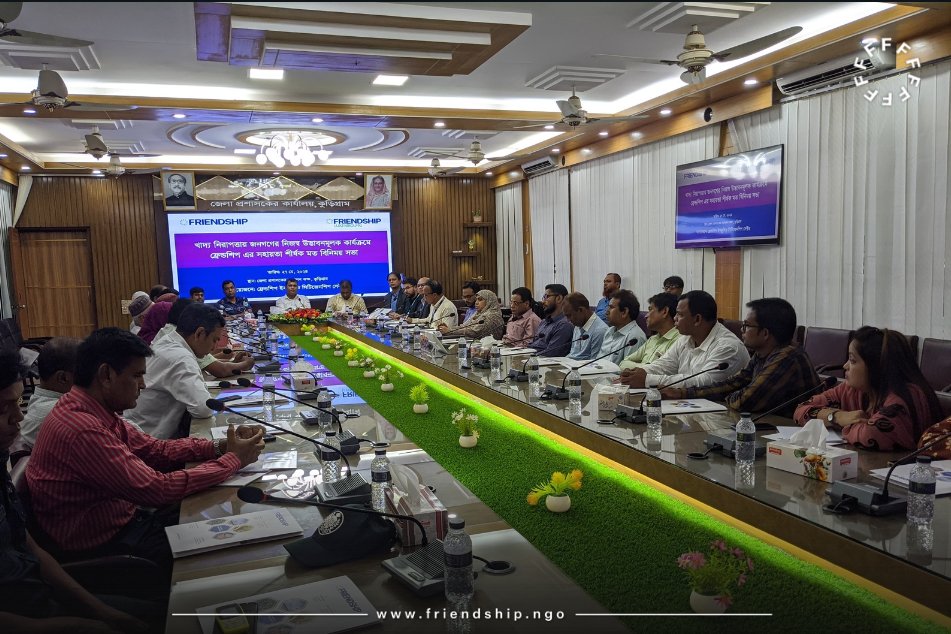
x,y
202,580
783,506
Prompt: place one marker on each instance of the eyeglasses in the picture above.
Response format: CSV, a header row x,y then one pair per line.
x,y
745,326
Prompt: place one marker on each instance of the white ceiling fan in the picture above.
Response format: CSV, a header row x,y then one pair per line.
x,y
95,145
573,115
51,93
474,154
437,171
696,56
10,11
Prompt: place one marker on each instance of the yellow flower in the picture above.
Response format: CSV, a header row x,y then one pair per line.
x,y
533,498
575,485
575,474
558,478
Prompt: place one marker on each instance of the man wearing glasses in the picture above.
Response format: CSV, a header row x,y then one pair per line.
x,y
674,285
554,333
441,310
777,371
524,322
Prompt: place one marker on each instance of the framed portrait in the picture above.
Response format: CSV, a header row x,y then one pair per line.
x,y
178,190
378,191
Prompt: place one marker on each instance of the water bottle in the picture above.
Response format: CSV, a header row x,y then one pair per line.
x,y
325,402
260,317
457,555
380,469
463,350
495,363
330,458
349,312
745,446
417,342
573,382
534,376
921,487
267,397
652,401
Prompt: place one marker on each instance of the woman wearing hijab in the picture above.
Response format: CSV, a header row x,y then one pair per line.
x,y
486,321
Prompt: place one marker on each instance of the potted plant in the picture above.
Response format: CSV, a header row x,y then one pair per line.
x,y
714,578
476,216
555,491
466,423
326,343
353,357
338,349
419,395
369,367
385,376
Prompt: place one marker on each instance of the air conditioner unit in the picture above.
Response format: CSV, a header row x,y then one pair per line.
x,y
838,72
541,165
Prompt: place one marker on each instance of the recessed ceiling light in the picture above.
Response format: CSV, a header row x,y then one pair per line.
x,y
603,133
665,112
29,111
317,120
488,173
25,168
359,174
513,173
390,80
752,81
97,172
555,150
3,156
869,40
439,124
549,127
586,151
266,73
179,115
277,173
165,169
245,150
636,135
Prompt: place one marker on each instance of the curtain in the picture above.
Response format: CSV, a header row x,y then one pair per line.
x,y
865,216
24,185
622,217
6,221
551,244
509,239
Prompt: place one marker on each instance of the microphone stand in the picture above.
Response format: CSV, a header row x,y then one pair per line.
x,y
625,412
561,394
518,375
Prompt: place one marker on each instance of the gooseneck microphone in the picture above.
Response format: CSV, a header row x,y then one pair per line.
x,y
243,382
627,412
561,393
522,376
827,384
723,365
475,323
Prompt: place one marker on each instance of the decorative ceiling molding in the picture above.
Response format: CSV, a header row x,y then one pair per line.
x,y
56,58
430,152
468,135
579,78
102,124
196,135
679,17
180,134
388,139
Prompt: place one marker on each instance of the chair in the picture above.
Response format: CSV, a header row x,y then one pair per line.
x,y
944,400
800,335
936,363
733,325
828,348
641,320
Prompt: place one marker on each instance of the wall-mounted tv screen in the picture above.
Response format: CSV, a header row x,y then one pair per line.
x,y
730,201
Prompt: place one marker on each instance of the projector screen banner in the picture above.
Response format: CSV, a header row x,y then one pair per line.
x,y
259,251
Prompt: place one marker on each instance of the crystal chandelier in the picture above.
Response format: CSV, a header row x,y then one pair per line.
x,y
284,148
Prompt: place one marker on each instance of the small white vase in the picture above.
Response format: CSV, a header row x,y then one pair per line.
x,y
369,374
468,441
558,503
387,387
420,408
338,353
316,338
476,218
325,346
706,603
354,363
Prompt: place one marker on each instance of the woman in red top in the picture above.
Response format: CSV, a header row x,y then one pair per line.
x,y
885,402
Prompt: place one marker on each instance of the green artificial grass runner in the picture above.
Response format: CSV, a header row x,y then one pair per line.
x,y
621,538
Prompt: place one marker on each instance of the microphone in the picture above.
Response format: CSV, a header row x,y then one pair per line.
x,y
475,323
522,376
433,323
868,498
353,488
560,394
723,365
627,412
827,384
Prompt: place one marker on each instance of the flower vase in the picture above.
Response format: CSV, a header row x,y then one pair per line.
x,y
325,346
420,408
369,374
387,387
353,363
476,218
338,353
558,503
468,441
706,603
316,338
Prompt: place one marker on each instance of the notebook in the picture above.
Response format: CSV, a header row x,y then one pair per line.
x,y
208,535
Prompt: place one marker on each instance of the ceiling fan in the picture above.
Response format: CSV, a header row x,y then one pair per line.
x,y
95,146
51,93
437,171
474,154
9,11
696,56
573,115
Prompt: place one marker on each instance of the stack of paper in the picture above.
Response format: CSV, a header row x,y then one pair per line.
x,y
272,461
690,406
941,468
208,535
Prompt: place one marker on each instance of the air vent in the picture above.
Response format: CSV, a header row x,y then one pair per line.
x,y
537,167
836,72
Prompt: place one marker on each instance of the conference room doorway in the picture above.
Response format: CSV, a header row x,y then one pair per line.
x,y
53,282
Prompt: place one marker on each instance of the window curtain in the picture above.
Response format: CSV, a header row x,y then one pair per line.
x,y
551,244
509,239
865,217
6,222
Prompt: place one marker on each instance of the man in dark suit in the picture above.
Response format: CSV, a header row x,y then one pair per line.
x,y
395,300
180,196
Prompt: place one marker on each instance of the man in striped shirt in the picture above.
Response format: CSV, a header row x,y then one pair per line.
x,y
92,474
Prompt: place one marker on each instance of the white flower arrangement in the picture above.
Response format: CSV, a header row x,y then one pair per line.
x,y
466,423
386,374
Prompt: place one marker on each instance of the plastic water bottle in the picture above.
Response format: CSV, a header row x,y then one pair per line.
x,y
457,555
349,312
267,397
745,446
380,470
330,458
325,418
495,363
260,318
463,351
652,405
921,488
417,342
534,373
573,382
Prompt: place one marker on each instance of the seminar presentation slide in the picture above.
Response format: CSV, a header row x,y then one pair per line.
x,y
259,251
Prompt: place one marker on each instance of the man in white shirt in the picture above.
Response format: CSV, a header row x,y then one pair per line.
x,y
707,344
56,365
291,300
441,310
623,307
173,380
345,299
586,322
219,364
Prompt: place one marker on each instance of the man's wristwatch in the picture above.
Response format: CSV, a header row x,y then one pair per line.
x,y
221,446
831,417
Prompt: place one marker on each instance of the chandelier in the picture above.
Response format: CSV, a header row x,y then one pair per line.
x,y
284,148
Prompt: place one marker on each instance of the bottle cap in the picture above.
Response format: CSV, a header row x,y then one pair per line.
x,y
331,432
456,522
745,415
924,460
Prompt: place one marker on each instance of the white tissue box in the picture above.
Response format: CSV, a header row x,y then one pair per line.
x,y
827,464
429,511
610,396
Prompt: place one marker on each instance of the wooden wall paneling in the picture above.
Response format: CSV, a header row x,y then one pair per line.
x,y
728,267
527,237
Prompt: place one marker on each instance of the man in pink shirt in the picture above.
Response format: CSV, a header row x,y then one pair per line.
x,y
523,325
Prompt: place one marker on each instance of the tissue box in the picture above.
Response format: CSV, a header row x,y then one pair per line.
x,y
430,512
610,396
827,464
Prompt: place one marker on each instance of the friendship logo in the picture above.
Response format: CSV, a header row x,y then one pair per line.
x,y
886,99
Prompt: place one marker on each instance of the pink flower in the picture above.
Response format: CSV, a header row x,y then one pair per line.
x,y
749,564
718,544
691,561
724,600
738,553
741,580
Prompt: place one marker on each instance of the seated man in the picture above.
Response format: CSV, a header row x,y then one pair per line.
x,y
524,322
345,299
231,304
56,365
197,294
469,291
138,308
219,364
421,309
395,299
291,300
778,370
610,286
553,338
36,594
674,285
411,299
584,320
661,309
622,310
92,475
441,310
174,383
706,345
